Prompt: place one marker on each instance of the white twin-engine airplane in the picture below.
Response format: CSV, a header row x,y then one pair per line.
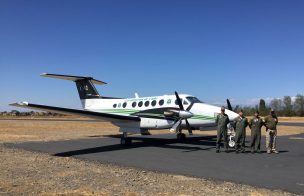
x,y
139,114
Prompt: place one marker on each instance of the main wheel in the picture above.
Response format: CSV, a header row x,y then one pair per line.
x,y
125,141
181,137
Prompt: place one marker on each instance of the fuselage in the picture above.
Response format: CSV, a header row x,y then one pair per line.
x,y
151,110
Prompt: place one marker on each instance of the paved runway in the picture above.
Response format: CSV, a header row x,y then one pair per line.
x,y
297,124
196,157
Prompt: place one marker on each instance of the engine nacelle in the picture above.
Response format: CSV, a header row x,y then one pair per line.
x,y
178,113
185,114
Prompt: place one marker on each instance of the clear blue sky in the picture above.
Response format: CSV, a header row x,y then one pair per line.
x,y
213,49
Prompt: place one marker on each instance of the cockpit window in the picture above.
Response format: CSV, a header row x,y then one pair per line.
x,y
193,100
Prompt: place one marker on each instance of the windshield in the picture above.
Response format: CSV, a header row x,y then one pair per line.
x,y
193,100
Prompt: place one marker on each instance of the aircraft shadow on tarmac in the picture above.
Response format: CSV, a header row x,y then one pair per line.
x,y
201,143
191,144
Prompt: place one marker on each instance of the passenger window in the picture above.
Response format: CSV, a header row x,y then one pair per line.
x,y
147,103
119,105
134,104
140,104
161,102
124,105
169,101
115,105
153,103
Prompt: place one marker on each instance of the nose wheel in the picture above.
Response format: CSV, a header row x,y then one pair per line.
x,y
231,136
231,142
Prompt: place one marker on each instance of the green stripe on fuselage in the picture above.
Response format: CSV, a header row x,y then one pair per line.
x,y
131,111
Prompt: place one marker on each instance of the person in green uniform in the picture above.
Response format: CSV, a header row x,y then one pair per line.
x,y
222,120
271,122
255,125
241,123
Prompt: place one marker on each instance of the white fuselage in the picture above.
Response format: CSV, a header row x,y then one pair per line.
x,y
203,114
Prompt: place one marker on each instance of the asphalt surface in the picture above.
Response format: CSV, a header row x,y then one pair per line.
x,y
297,124
196,157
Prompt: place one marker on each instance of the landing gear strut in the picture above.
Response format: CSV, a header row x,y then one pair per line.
x,y
125,140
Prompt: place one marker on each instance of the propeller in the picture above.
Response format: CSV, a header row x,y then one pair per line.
x,y
229,105
183,115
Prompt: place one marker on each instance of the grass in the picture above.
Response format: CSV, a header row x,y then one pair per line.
x,y
46,129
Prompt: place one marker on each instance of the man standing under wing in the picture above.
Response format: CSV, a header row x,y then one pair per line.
x,y
255,125
222,121
271,122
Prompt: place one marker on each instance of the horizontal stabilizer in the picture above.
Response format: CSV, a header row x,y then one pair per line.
x,y
72,78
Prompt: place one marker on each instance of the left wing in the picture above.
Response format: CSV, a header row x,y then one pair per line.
x,y
84,113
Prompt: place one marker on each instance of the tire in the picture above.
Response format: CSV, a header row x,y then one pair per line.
x,y
181,137
231,142
128,141
125,141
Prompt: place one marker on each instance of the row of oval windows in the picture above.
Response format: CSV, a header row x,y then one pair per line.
x,y
147,103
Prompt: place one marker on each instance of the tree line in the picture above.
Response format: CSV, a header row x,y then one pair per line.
x,y
31,113
287,106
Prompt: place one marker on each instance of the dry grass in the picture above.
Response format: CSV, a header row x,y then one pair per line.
x,y
50,129
291,119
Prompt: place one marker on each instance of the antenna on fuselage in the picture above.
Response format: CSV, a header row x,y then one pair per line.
x,y
136,95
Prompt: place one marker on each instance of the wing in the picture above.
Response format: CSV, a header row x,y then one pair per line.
x,y
84,113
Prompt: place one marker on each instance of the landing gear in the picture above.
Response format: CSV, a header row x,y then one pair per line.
x,y
231,135
231,142
125,141
181,137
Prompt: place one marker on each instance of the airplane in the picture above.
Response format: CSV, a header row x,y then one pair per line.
x,y
138,115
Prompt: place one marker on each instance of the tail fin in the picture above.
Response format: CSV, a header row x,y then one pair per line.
x,y
85,85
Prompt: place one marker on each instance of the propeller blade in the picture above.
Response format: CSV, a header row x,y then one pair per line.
x,y
181,107
175,126
179,101
189,127
229,105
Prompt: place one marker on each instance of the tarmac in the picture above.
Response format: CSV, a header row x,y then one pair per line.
x,y
196,157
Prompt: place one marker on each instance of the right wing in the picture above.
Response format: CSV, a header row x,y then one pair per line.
x,y
84,113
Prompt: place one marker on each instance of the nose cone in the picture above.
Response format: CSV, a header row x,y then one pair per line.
x,y
232,115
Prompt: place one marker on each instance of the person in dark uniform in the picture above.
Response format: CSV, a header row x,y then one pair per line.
x,y
255,124
222,120
241,123
271,122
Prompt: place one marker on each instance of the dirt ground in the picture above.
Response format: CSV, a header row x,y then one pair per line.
x,y
31,173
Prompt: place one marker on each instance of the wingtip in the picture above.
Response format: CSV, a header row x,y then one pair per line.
x,y
23,103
